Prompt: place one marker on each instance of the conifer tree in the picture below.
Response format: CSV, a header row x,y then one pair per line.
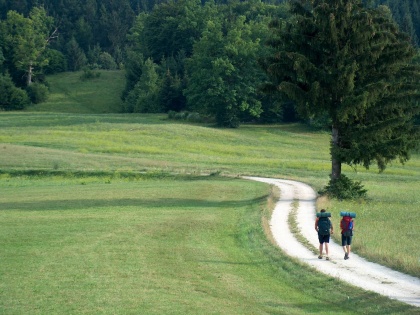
x,y
340,59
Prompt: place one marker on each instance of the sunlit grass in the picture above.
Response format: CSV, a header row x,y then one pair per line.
x,y
145,143
78,191
164,245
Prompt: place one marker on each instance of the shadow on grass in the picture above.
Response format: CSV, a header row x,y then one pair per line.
x,y
172,203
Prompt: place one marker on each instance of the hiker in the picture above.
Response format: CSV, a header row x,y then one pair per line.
x,y
324,228
347,226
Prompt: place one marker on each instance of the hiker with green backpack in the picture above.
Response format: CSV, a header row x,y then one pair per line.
x,y
324,228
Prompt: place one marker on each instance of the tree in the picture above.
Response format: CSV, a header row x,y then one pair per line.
x,y
351,63
26,39
172,26
170,95
76,58
223,73
143,98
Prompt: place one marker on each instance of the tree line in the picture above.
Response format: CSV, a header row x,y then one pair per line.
x,y
406,14
172,51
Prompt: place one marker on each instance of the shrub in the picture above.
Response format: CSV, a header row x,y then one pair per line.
x,y
11,97
107,62
89,74
185,115
171,114
37,92
194,117
344,188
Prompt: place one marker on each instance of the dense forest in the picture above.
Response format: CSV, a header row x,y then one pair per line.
x,y
186,55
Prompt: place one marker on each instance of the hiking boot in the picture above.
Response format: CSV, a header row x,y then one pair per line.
x,y
346,256
319,257
328,258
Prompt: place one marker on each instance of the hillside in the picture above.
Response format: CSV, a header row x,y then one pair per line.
x,y
70,93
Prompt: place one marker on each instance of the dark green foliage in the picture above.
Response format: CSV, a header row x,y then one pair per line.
x,y
89,74
76,58
224,73
171,96
106,62
37,92
164,35
344,188
144,97
339,60
56,62
11,97
205,59
133,71
185,115
406,13
2,59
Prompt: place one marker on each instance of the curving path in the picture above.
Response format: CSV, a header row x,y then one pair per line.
x,y
356,271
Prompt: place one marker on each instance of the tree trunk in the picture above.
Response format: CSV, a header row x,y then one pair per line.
x,y
29,79
336,163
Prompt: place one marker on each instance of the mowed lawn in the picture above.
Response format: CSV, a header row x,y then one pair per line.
x,y
163,245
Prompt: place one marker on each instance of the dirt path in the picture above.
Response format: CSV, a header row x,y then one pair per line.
x,y
356,271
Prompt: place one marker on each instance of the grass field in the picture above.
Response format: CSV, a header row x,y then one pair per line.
x,y
162,245
128,214
69,94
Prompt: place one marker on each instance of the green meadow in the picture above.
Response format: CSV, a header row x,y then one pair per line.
x,y
105,213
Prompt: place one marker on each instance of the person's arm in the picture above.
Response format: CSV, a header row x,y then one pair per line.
x,y
332,228
316,224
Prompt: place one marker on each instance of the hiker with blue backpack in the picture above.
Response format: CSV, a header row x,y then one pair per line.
x,y
347,227
324,228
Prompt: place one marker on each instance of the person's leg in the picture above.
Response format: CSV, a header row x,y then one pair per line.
x,y
344,244
321,245
348,246
326,250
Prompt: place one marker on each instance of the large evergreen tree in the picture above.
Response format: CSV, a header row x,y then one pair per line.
x,y
337,58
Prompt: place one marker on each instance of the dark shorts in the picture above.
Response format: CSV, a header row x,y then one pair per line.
x,y
324,238
345,240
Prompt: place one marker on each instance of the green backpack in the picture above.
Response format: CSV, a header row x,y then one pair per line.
x,y
324,226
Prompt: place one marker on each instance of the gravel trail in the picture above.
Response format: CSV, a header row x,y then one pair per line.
x,y
356,270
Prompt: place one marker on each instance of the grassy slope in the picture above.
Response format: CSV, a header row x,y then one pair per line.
x,y
69,94
137,143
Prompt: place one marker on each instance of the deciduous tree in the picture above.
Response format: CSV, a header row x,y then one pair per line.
x,y
224,73
26,39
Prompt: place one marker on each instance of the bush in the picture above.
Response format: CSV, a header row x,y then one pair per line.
x,y
184,115
344,188
11,97
89,74
194,117
107,62
37,92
